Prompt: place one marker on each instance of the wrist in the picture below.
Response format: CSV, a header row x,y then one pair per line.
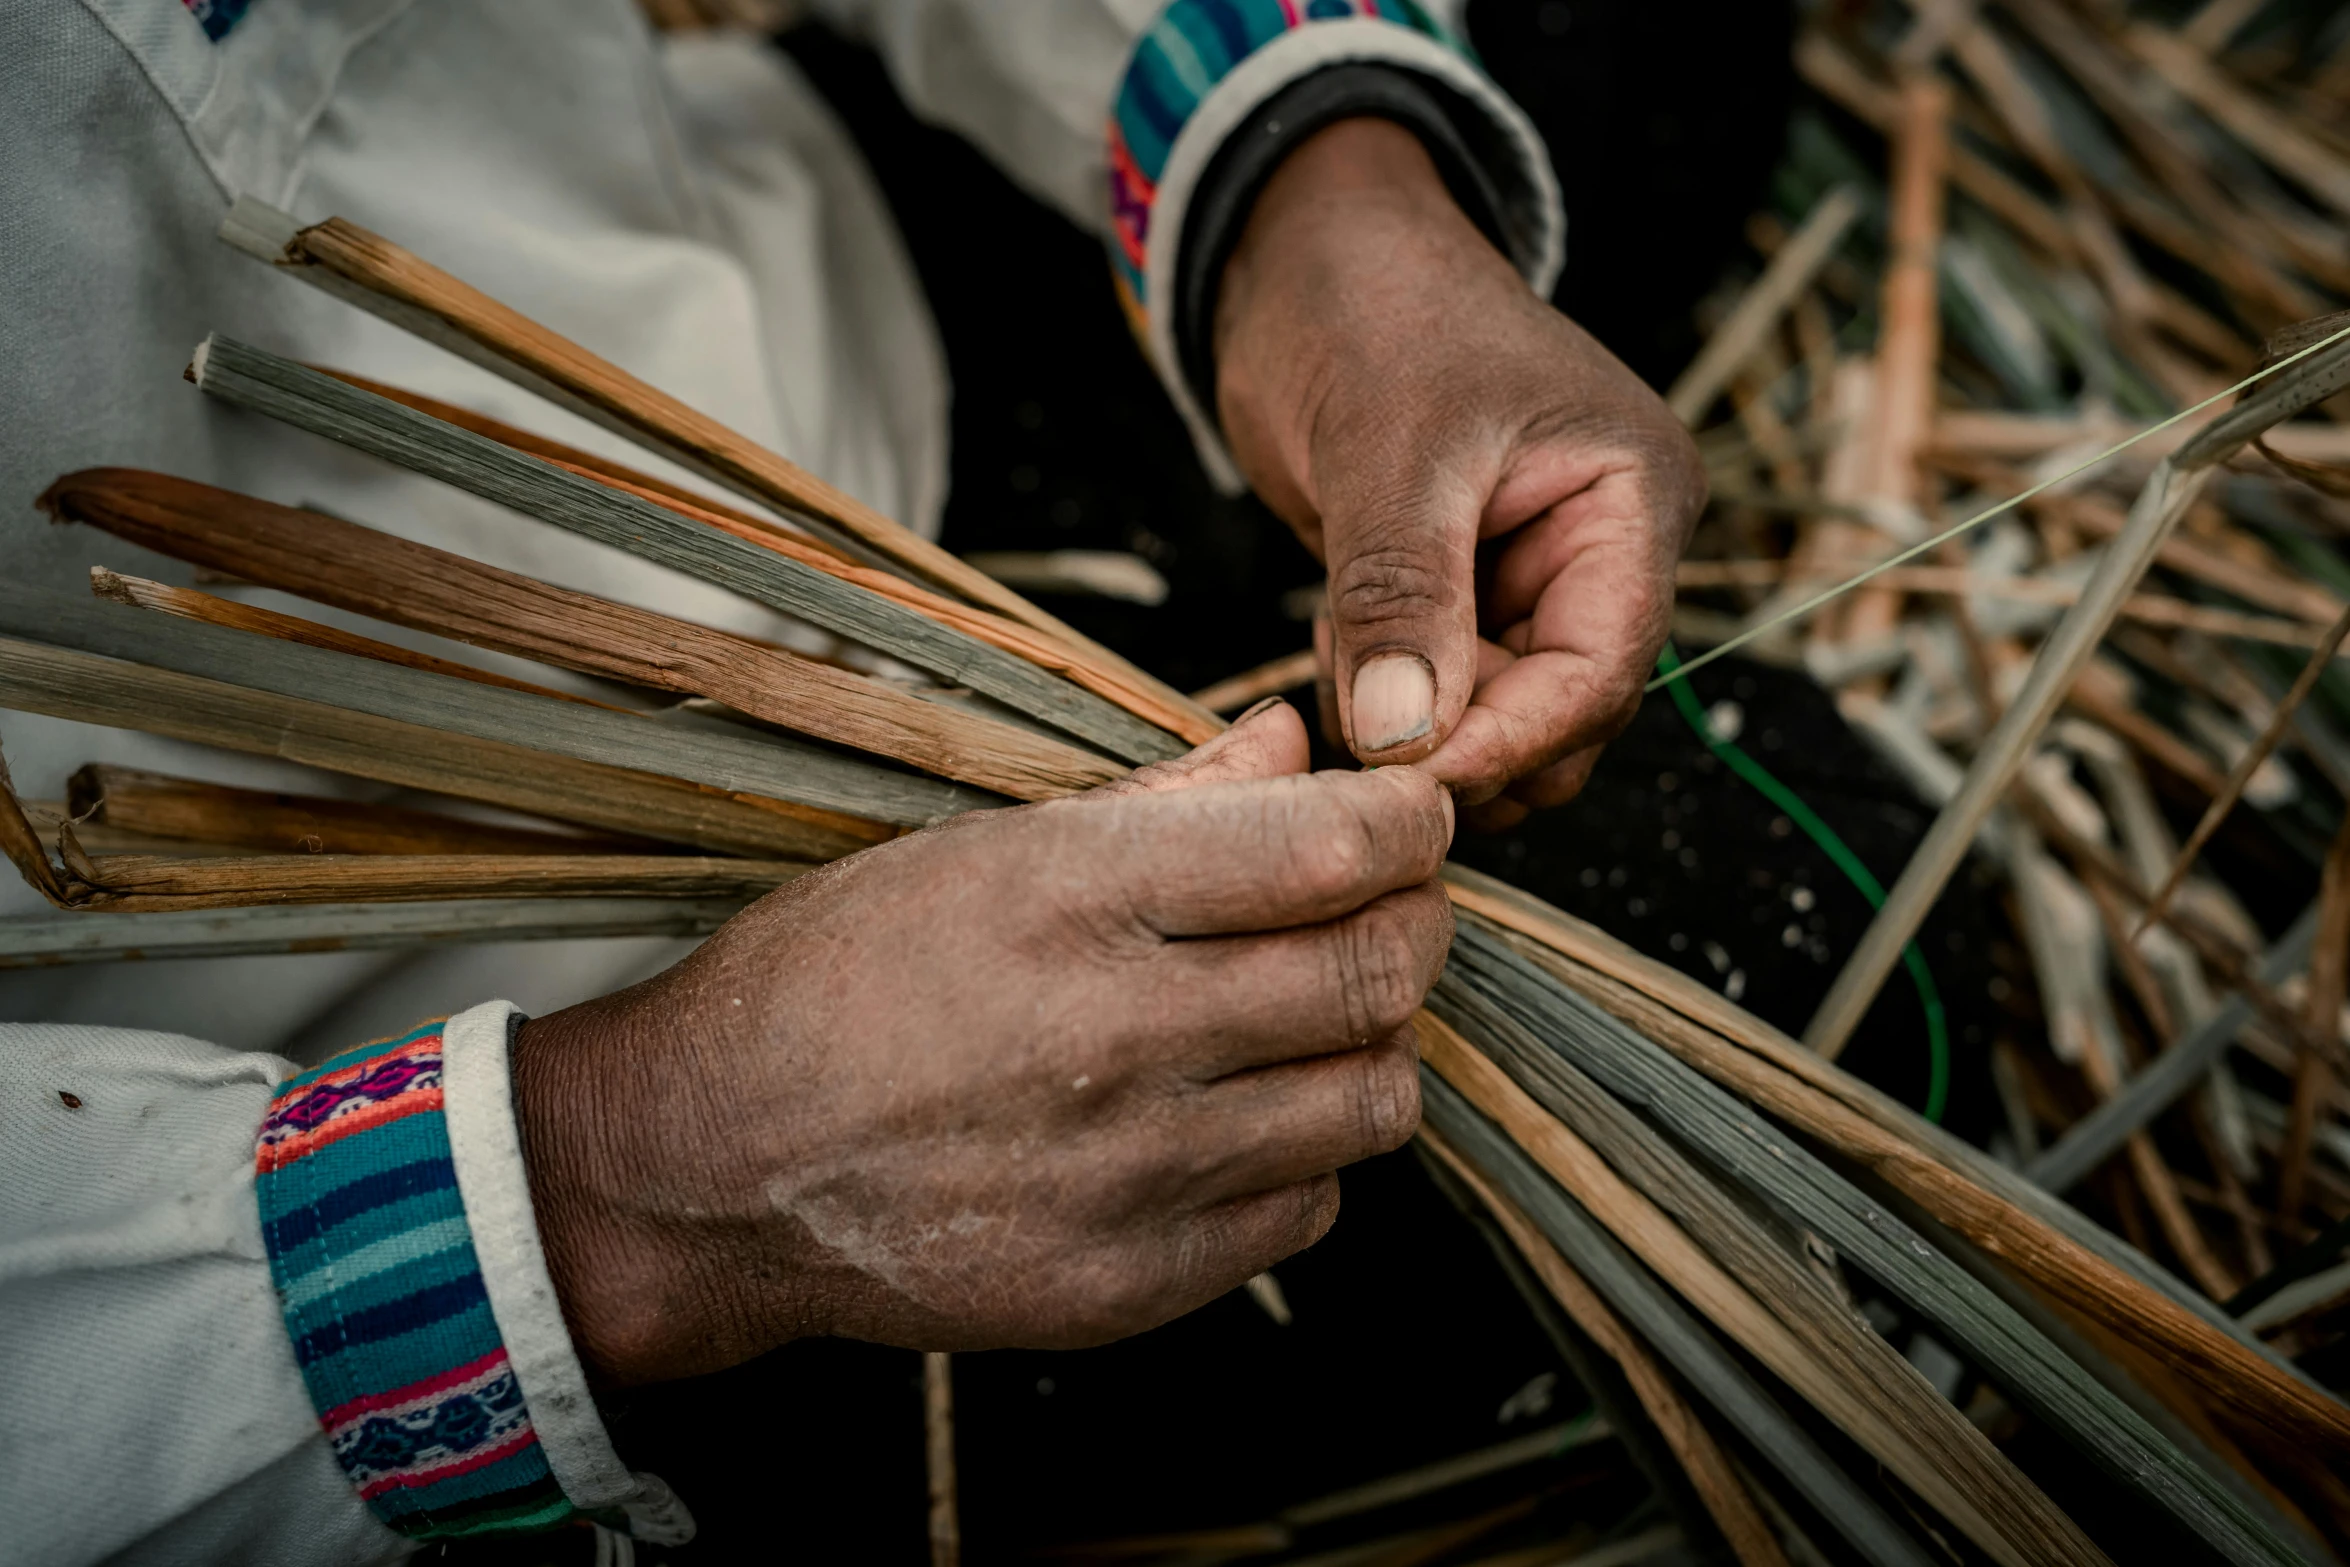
x,y
1356,242
640,1303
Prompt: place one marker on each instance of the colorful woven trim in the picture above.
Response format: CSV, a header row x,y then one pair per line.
x,y
383,1298
216,17
1192,47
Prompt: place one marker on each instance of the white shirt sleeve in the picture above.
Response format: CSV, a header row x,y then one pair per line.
x,y
150,1407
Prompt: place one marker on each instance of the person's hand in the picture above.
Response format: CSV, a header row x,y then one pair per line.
x,y
1464,459
1037,1077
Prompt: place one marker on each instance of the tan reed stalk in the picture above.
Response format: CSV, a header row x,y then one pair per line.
x,y
1112,684
148,883
1816,1368
370,271
2232,788
1956,1183
1711,1473
211,610
156,805
111,692
394,579
2314,1074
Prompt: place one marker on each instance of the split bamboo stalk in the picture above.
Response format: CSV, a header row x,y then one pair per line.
x,y
1710,1470
93,689
1766,301
589,464
46,940
378,276
147,883
996,631
160,806
307,399
393,579
2174,486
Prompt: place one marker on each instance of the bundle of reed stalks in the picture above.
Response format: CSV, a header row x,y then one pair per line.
x,y
1715,1206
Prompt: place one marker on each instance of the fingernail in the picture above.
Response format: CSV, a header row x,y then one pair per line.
x,y
1269,702
1394,702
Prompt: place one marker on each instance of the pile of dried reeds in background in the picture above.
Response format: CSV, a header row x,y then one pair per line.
x,y
1825,1329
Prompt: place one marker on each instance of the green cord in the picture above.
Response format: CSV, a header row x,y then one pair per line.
x,y
1841,855
1572,1432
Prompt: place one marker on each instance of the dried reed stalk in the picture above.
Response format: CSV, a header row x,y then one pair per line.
x,y
157,805
370,271
394,579
188,604
1659,1316
2152,609
2314,1077
1251,686
1711,1473
2154,1177
1766,301
1909,342
656,530
2058,1250
2106,703
144,883
938,1432
46,940
1112,684
2173,487
2232,789
1819,1362
99,690
724,756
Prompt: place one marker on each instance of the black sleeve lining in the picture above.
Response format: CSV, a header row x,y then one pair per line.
x,y
1228,189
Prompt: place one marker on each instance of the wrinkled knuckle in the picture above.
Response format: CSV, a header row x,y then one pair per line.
x,y
1389,1100
1380,971
1388,582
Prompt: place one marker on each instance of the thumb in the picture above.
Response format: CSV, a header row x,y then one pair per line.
x,y
1267,741
1403,619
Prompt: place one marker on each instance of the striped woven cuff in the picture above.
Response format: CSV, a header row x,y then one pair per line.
x,y
384,1299
1200,72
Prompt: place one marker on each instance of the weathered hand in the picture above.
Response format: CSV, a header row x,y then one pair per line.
x,y
1040,1077
1464,459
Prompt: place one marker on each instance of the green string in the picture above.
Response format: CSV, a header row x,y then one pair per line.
x,y
1841,855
